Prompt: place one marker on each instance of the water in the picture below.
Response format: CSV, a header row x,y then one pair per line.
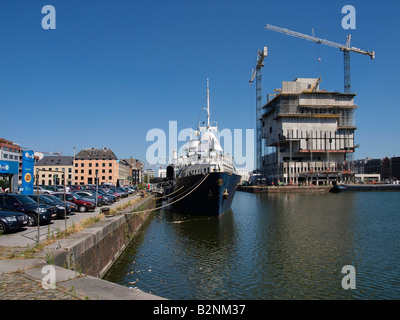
x,y
270,246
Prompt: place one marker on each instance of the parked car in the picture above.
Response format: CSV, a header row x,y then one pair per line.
x,y
12,220
127,190
107,198
71,205
114,193
87,193
74,187
41,189
107,194
23,203
58,204
50,188
123,192
83,204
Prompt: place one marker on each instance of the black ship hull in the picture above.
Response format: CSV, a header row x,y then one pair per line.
x,y
205,194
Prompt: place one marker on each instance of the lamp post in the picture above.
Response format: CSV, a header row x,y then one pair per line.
x,y
65,204
97,186
38,213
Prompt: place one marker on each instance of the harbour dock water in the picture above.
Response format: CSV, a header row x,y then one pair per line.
x,y
282,245
318,189
284,189
372,187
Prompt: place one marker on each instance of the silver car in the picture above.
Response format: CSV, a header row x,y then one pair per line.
x,y
41,190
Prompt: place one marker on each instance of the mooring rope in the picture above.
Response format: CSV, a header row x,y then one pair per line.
x,y
168,204
168,195
193,186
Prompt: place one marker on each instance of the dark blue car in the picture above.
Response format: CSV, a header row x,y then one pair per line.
x,y
12,220
24,204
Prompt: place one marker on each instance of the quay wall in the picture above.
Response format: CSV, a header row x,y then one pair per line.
x,y
283,189
93,250
373,187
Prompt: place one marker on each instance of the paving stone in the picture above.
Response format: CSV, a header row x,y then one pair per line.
x,y
20,286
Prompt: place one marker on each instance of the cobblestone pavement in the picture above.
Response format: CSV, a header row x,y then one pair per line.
x,y
20,286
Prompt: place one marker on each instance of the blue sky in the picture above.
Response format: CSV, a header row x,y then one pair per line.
x,y
113,70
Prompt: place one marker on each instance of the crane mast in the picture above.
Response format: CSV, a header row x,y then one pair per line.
x,y
343,47
258,75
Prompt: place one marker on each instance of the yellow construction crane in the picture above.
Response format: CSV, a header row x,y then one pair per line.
x,y
315,86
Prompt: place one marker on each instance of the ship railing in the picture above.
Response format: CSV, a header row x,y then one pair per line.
x,y
205,158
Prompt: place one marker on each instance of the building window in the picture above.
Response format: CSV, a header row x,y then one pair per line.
x,y
103,178
82,164
110,164
90,164
109,178
82,171
103,171
110,171
97,164
76,171
103,164
90,171
76,164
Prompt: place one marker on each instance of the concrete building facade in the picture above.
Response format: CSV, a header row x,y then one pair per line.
x,y
136,167
124,173
386,168
309,134
10,164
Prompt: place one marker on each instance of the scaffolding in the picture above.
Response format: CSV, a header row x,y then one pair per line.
x,y
312,133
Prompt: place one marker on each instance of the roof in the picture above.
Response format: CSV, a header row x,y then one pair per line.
x,y
56,161
96,154
282,95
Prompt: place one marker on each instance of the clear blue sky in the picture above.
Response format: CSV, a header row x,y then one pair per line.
x,y
113,70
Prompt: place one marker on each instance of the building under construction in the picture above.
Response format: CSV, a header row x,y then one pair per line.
x,y
309,134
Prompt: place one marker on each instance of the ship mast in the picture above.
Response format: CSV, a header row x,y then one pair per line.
x,y
208,105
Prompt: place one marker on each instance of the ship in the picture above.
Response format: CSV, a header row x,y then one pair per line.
x,y
205,178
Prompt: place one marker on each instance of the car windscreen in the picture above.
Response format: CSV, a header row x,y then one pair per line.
x,y
48,199
51,197
26,200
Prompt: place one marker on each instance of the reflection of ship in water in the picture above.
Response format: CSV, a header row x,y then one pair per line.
x,y
202,251
205,178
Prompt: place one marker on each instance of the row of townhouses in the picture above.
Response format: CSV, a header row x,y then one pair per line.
x,y
86,167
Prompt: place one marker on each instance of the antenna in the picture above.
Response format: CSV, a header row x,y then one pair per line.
x,y
208,104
